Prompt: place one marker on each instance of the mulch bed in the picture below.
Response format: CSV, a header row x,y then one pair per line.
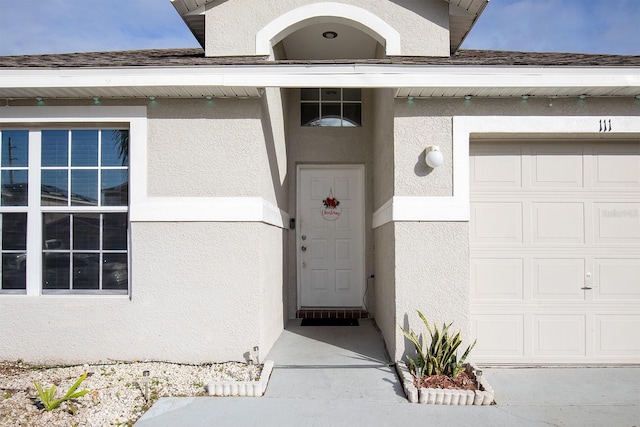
x,y
464,381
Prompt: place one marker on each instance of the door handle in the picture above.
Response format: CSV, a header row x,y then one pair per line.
x,y
586,288
304,248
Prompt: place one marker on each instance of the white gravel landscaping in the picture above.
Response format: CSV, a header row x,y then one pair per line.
x,y
116,394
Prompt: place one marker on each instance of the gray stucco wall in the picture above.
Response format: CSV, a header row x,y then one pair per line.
x,y
432,275
385,305
195,146
383,140
231,26
195,298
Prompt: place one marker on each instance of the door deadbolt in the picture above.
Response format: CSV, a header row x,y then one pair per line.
x,y
304,248
304,237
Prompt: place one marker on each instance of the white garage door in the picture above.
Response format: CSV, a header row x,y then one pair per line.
x,y
555,251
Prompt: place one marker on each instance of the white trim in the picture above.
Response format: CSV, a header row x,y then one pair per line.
x,y
457,207
97,114
422,208
604,81
208,209
34,217
356,17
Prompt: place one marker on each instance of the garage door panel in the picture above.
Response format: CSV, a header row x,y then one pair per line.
x,y
556,167
498,335
558,222
558,279
617,165
497,167
497,278
559,335
618,335
496,223
617,279
617,222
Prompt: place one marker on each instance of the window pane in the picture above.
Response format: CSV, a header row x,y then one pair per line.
x,y
115,272
84,187
115,148
352,115
86,271
310,94
55,147
14,187
86,231
115,187
115,231
55,233
14,239
84,148
15,148
56,271
309,113
54,187
14,231
14,274
331,111
351,94
331,94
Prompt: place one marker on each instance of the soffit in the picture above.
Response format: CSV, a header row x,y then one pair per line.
x,y
463,14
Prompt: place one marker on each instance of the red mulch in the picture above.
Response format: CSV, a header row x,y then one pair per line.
x,y
464,381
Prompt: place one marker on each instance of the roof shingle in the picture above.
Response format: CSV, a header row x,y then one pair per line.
x,y
194,57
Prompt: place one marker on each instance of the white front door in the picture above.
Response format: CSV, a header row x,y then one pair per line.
x,y
330,236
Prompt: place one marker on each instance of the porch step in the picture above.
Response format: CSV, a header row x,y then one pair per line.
x,y
332,313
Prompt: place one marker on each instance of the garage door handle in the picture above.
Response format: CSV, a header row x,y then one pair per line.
x,y
586,288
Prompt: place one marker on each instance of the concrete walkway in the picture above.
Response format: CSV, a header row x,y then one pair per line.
x,y
340,376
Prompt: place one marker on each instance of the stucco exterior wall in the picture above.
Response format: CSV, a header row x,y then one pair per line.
x,y
195,298
383,140
432,275
231,26
273,265
275,176
199,148
384,289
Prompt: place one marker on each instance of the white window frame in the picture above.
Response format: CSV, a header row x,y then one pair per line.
x,y
320,102
41,117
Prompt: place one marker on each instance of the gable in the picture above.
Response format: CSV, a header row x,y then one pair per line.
x,y
425,27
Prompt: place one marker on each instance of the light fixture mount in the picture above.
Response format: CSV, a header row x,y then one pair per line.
x,y
433,156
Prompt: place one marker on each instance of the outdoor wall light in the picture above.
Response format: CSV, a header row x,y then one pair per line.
x,y
433,156
40,100
96,100
410,100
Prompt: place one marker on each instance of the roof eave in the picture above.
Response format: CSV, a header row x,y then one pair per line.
x,y
246,81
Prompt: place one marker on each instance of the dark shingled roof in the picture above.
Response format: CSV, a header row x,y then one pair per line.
x,y
191,57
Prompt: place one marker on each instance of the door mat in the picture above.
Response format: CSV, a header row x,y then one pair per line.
x,y
330,322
